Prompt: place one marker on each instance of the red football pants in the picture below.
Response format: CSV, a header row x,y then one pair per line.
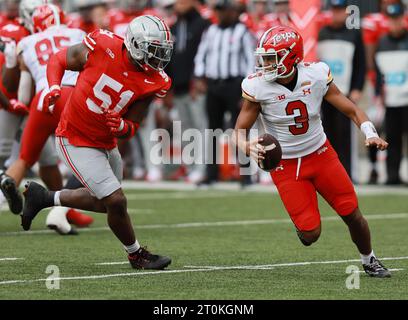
x,y
297,181
40,125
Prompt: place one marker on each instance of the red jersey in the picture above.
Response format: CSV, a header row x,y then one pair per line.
x,y
15,31
109,81
375,26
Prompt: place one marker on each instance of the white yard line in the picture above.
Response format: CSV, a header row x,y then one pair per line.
x,y
140,211
290,264
388,216
10,259
191,269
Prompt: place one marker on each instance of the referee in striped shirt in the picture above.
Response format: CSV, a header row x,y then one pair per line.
x,y
224,58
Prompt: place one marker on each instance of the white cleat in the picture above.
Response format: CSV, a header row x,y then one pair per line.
x,y
3,202
195,176
154,175
57,220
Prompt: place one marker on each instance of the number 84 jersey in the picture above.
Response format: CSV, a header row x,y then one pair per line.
x,y
109,81
292,117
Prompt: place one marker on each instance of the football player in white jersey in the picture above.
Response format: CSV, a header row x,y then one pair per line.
x,y
34,51
287,94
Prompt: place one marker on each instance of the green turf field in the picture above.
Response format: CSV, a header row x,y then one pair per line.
x,y
224,245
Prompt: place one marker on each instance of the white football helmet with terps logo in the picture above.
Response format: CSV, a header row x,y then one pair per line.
x,y
148,40
26,10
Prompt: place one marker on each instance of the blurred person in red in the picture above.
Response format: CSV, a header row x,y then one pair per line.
x,y
89,15
9,11
126,11
376,25
257,18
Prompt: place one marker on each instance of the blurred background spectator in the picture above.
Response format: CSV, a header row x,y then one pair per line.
x,y
189,103
342,49
224,58
392,60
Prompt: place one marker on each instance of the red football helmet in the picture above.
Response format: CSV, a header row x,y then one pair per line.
x,y
278,52
46,16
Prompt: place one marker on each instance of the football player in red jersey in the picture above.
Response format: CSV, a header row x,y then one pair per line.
x,y
34,51
118,79
287,94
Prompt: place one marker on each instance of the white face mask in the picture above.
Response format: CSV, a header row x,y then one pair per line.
x,y
270,64
267,65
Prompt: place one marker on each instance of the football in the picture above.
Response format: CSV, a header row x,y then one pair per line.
x,y
273,152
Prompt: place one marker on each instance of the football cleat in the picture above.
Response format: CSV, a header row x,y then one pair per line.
x,y
376,269
57,220
79,219
143,259
300,236
36,199
11,193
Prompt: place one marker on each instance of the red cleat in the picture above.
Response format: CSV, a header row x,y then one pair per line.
x,y
79,219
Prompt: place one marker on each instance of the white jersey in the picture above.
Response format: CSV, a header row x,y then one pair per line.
x,y
37,48
292,117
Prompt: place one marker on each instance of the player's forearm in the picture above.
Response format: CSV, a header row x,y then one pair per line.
x,y
11,78
239,138
25,88
56,68
4,102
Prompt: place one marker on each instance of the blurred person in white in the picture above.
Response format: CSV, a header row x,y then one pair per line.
x,y
392,74
189,103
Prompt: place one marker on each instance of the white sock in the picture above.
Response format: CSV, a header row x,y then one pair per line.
x,y
365,259
133,248
57,201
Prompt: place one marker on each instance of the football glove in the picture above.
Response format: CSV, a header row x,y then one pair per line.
x,y
18,107
120,127
51,98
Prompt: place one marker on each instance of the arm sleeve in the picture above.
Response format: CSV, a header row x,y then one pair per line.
x,y
359,65
25,87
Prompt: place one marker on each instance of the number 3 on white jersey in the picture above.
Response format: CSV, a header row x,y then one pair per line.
x,y
106,81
